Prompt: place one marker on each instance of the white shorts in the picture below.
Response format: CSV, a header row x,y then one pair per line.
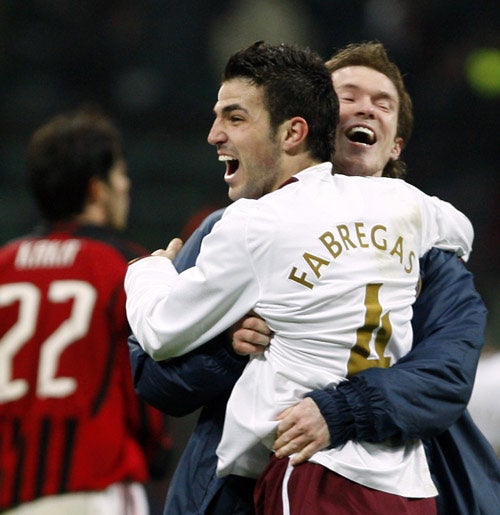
x,y
117,499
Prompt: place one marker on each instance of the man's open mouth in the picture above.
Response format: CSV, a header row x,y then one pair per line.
x,y
359,134
231,164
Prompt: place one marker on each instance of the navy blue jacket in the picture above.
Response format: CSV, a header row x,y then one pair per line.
x,y
424,396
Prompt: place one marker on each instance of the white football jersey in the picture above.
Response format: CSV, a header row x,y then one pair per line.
x,y
331,264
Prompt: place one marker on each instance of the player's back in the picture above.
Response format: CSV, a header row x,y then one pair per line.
x,y
336,265
65,385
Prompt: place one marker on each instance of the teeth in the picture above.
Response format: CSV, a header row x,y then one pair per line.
x,y
370,135
226,158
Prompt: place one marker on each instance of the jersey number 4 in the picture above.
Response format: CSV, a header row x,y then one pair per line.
x,y
70,330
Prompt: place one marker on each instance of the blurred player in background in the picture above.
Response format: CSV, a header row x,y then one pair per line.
x,y
75,438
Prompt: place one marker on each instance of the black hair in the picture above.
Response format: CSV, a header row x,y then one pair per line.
x,y
295,82
64,154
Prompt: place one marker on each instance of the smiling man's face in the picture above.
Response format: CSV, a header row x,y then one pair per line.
x,y
366,134
244,139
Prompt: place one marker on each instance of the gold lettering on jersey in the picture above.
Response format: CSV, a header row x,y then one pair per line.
x,y
47,254
345,238
329,242
301,280
380,243
358,226
315,263
411,258
398,249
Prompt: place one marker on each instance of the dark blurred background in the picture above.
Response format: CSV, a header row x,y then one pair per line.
x,y
154,66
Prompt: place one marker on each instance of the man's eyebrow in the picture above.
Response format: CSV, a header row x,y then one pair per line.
x,y
348,86
230,108
379,94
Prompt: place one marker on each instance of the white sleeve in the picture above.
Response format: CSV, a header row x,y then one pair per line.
x,y
449,229
171,314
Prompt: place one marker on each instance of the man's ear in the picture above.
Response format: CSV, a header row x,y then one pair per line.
x,y
295,133
397,148
96,190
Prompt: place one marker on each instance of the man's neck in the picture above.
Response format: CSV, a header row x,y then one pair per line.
x,y
354,170
296,164
92,215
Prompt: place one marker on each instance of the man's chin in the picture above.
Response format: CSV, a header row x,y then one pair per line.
x,y
357,167
234,194
242,192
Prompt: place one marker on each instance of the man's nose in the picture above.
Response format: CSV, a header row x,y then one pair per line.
x,y
365,108
216,134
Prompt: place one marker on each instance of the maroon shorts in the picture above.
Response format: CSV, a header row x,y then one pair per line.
x,y
314,490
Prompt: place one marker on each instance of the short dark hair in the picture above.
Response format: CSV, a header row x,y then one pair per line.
x,y
373,55
64,154
295,82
